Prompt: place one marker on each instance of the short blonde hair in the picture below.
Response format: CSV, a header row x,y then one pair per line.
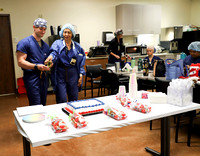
x,y
151,47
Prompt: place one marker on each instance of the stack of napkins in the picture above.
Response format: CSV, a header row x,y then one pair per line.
x,y
157,98
27,110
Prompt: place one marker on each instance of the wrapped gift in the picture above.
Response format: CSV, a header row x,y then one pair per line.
x,y
125,101
114,113
77,120
140,107
58,125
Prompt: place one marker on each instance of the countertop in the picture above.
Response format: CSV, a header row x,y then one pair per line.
x,y
136,56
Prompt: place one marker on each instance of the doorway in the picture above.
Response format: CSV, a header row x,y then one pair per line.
x,y
7,72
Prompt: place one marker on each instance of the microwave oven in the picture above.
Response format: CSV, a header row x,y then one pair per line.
x,y
133,50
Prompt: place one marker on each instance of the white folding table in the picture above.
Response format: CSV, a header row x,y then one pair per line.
x,y
38,134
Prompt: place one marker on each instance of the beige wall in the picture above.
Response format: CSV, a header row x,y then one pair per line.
x,y
195,11
90,16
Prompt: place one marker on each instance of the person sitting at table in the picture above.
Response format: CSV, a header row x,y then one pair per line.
x,y
194,57
151,58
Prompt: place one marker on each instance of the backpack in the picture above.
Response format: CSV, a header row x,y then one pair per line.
x,y
159,68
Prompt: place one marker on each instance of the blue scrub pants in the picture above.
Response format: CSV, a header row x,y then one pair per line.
x,y
66,87
36,87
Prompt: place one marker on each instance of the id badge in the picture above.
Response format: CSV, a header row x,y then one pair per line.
x,y
73,61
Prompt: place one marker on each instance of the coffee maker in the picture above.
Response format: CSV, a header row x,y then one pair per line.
x,y
143,49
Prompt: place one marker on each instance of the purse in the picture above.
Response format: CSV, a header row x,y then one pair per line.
x,y
174,69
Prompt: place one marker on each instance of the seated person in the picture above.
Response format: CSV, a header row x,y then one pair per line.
x,y
151,58
194,57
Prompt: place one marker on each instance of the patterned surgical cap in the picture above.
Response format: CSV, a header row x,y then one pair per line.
x,y
40,23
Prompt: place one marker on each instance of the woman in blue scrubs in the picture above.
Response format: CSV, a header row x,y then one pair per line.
x,y
194,57
69,59
32,51
151,58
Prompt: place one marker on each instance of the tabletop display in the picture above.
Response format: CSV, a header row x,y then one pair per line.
x,y
58,126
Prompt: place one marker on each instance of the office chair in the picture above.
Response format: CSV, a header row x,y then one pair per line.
x,y
161,86
191,115
52,38
93,72
110,81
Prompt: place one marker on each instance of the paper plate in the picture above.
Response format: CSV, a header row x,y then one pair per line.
x,y
33,118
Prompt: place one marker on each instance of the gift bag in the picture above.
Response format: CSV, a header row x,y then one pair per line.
x,y
174,69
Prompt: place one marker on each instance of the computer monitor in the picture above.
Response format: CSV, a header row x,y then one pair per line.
x,y
107,37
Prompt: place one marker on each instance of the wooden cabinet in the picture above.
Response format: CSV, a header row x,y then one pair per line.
x,y
137,19
98,60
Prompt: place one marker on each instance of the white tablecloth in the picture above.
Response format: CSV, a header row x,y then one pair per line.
x,y
41,133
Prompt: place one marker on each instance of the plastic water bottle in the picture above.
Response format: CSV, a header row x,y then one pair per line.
x,y
140,64
132,62
183,55
145,68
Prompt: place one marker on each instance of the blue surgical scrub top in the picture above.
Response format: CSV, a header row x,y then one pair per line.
x,y
152,61
35,83
189,60
35,53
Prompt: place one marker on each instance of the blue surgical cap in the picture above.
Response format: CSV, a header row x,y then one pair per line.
x,y
194,46
70,27
40,23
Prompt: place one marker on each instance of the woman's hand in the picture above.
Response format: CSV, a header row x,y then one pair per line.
x,y
48,61
80,81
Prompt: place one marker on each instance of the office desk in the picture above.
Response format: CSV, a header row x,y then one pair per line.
x,y
40,133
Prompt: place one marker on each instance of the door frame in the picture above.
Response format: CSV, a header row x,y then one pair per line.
x,y
12,57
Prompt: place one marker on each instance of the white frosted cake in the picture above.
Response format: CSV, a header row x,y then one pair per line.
x,y
85,107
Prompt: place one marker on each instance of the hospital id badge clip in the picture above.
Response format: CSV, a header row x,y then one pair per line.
x,y
73,61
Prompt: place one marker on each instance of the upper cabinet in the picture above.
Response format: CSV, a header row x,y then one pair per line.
x,y
137,19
